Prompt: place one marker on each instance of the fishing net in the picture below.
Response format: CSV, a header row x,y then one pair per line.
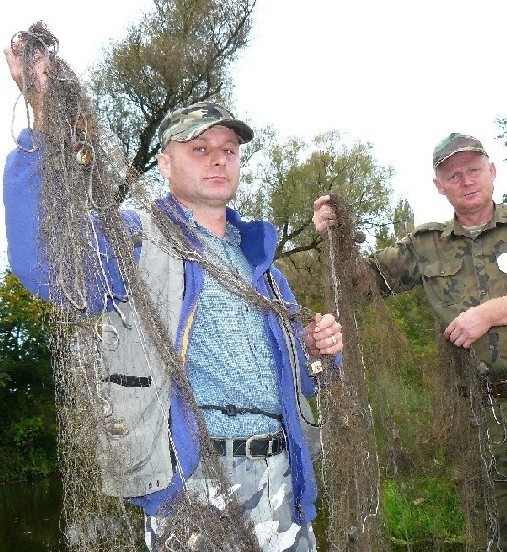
x,y
393,422
82,171
469,407
350,470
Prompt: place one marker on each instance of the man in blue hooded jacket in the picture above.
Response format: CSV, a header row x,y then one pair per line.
x,y
244,367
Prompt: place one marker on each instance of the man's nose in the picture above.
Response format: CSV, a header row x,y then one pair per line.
x,y
467,179
218,157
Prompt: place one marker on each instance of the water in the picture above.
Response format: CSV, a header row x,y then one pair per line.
x,y
30,516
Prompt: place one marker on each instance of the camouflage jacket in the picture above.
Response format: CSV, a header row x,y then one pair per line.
x,y
457,272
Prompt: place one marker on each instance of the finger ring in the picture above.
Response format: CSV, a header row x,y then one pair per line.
x,y
333,339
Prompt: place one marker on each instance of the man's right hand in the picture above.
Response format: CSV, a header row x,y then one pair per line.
x,y
323,215
32,83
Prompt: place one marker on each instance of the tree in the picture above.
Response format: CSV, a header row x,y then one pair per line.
x,y
27,412
281,182
403,223
178,54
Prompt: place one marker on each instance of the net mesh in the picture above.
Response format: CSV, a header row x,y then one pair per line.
x,y
82,172
350,465
394,424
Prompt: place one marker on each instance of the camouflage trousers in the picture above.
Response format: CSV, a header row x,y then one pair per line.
x,y
497,425
264,487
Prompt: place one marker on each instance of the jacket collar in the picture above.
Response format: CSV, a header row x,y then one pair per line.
x,y
258,237
456,228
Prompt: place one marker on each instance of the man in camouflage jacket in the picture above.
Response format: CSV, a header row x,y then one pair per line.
x,y
462,265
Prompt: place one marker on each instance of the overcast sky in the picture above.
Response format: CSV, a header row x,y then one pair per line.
x,y
399,74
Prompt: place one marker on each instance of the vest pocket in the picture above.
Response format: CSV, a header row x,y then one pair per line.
x,y
443,282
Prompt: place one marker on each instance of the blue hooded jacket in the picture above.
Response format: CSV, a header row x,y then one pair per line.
x,y
22,181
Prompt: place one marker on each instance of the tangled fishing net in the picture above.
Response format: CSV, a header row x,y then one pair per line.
x,y
81,175
367,441
350,466
472,454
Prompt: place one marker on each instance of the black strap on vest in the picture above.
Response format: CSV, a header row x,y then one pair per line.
x,y
233,410
129,381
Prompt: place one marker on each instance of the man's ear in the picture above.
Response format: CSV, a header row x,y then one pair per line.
x,y
436,181
164,164
492,170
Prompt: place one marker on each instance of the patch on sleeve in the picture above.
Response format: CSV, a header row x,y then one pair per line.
x,y
502,262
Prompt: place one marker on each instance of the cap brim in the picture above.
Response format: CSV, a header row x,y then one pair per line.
x,y
244,132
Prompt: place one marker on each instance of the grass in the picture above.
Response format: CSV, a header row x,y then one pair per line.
x,y
420,509
419,514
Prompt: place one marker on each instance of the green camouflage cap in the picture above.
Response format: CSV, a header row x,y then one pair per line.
x,y
452,144
187,123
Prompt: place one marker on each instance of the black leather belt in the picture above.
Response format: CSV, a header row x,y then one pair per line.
x,y
499,389
255,447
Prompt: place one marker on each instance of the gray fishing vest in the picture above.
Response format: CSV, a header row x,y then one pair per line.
x,y
134,448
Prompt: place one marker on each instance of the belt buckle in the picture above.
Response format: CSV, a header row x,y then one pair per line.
x,y
248,442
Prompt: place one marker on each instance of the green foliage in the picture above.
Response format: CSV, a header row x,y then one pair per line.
x,y
414,316
402,224
290,175
25,431
403,219
27,411
383,237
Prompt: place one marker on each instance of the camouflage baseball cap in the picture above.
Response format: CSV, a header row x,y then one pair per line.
x,y
452,144
187,123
